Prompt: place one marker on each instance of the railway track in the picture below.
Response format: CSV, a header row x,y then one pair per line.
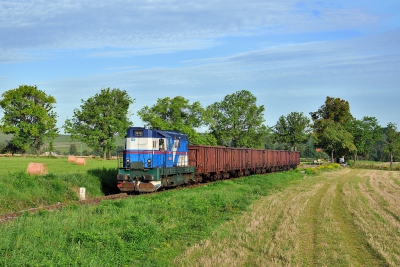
x,y
58,206
94,201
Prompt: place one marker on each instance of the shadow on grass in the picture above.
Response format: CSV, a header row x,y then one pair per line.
x,y
107,178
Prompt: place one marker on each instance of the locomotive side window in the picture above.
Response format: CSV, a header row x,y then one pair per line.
x,y
138,133
161,144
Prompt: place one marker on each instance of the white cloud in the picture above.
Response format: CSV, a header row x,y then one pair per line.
x,y
84,24
368,65
72,49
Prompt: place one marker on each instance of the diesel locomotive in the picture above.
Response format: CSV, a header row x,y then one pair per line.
x,y
156,159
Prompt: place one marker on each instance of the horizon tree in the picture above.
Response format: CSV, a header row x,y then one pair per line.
x,y
335,138
29,115
100,118
392,142
178,114
294,129
332,124
73,150
237,121
365,133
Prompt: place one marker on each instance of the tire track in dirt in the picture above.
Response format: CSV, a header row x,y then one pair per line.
x,y
270,230
361,252
309,228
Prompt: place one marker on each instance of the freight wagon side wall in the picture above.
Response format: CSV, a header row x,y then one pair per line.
x,y
210,159
213,160
235,159
297,158
255,158
227,159
196,158
220,159
272,158
247,162
284,158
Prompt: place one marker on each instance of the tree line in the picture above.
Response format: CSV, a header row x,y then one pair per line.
x,y
236,121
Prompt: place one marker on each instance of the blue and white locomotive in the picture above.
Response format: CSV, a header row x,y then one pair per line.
x,y
154,159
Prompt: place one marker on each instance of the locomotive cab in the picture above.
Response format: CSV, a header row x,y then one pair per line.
x,y
152,159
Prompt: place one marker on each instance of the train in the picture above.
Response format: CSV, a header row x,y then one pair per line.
x,y
155,159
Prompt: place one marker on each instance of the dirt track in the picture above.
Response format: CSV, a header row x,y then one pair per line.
x,y
340,218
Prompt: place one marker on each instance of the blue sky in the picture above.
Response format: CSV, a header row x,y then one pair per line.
x,y
290,54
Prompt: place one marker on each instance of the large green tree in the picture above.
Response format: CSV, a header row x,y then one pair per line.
x,y
100,119
392,142
365,133
178,114
332,123
238,121
29,115
335,138
294,129
334,109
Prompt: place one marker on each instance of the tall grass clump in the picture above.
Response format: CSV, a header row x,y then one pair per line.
x,y
147,230
319,168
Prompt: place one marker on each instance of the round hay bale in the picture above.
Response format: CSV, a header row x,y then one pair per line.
x,y
36,168
71,158
80,161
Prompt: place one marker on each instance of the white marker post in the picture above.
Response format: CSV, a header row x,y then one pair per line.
x,y
82,193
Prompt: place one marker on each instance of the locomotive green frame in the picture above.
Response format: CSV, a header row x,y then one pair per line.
x,y
143,180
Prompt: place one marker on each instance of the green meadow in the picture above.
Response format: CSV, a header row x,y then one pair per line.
x,y
146,230
325,215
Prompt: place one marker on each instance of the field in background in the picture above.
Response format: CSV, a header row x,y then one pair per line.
x,y
62,143
4,137
59,165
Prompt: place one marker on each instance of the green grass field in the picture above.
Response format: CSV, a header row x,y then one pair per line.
x,y
147,230
322,216
55,165
20,191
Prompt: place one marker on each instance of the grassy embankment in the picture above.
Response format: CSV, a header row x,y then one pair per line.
x,y
146,230
20,191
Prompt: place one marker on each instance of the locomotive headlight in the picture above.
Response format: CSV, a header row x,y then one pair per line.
x,y
148,162
128,163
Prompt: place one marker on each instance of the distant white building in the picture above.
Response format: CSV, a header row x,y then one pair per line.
x,y
49,154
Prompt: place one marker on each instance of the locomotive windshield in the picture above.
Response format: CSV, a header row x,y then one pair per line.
x,y
138,133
